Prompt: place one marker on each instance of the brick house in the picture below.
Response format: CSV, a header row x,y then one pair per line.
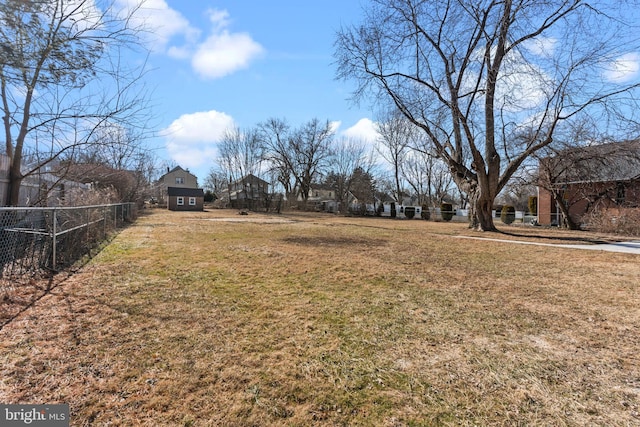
x,y
579,181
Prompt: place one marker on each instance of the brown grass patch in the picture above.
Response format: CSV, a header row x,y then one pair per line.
x,y
186,319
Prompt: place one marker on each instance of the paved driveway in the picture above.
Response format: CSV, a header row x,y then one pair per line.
x,y
628,247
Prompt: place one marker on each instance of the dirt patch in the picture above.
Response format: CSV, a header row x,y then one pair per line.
x,y
344,241
253,219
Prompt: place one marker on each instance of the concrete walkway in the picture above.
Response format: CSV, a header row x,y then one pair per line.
x,y
632,247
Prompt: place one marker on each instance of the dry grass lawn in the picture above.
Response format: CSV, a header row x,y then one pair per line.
x,y
216,319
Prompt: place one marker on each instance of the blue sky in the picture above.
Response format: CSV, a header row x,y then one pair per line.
x,y
216,64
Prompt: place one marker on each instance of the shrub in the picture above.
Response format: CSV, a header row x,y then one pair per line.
x,y
624,221
446,210
209,196
533,205
508,214
425,214
409,212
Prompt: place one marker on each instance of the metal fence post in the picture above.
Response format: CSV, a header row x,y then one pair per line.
x,y
87,234
54,238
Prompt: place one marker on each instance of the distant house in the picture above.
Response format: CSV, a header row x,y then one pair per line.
x,y
321,198
176,177
582,179
249,192
185,199
43,188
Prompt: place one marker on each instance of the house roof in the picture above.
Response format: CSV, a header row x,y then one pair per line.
x,y
249,177
322,187
612,162
176,169
185,192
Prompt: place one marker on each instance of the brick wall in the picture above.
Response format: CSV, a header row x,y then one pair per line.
x,y
546,206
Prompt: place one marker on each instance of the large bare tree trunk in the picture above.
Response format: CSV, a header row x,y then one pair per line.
x,y
480,211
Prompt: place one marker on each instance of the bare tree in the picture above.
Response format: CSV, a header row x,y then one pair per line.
x,y
427,175
275,135
299,155
114,157
397,135
350,160
240,153
115,146
474,74
518,190
311,148
216,181
62,76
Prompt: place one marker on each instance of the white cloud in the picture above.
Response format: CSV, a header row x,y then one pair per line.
x,y
168,31
191,139
219,19
522,85
624,68
364,130
160,22
224,52
85,15
542,46
192,157
182,52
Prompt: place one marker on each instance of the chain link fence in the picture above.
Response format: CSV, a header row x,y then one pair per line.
x,y
37,241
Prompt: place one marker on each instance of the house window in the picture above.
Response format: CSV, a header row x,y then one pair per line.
x,y
192,201
179,180
620,193
180,201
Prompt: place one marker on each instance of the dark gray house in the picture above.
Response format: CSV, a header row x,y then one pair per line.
x,y
249,192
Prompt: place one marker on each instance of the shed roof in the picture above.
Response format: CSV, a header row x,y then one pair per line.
x,y
185,192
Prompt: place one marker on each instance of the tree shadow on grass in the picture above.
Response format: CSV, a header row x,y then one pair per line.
x,y
570,239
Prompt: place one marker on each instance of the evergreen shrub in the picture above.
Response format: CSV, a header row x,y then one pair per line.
x,y
446,210
508,214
